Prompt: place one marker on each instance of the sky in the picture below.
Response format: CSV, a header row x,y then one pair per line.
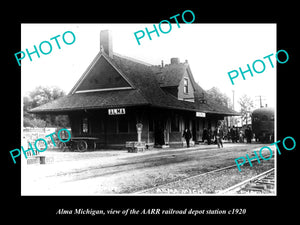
x,y
212,50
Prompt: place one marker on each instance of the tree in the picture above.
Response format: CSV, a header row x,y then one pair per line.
x,y
219,97
39,96
246,104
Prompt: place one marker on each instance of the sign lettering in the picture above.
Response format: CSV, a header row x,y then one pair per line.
x,y
118,111
200,114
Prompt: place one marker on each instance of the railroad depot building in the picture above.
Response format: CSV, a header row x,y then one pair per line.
x,y
117,92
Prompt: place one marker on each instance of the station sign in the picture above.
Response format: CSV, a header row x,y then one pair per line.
x,y
119,111
200,114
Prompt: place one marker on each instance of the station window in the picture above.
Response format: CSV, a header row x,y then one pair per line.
x,y
132,124
151,124
185,86
85,125
102,126
175,123
123,124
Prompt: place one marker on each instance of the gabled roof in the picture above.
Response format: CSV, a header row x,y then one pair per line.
x,y
170,75
145,89
93,100
99,76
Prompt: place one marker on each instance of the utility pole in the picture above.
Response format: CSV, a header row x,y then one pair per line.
x,y
231,118
260,100
233,99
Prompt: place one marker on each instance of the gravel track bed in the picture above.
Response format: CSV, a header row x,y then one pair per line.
x,y
212,183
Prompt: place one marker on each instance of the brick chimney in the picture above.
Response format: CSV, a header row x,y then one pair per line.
x,y
106,42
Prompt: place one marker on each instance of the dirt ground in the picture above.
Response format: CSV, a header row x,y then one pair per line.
x,y
119,172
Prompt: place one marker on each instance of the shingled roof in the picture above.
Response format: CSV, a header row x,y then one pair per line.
x,y
146,82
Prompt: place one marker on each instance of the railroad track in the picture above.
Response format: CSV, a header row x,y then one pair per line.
x,y
263,183
204,183
184,179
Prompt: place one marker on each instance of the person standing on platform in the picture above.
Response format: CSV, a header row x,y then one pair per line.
x,y
219,136
209,136
232,134
187,135
248,134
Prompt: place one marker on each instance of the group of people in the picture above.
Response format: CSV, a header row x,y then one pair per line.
x,y
233,134
236,135
207,135
217,135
